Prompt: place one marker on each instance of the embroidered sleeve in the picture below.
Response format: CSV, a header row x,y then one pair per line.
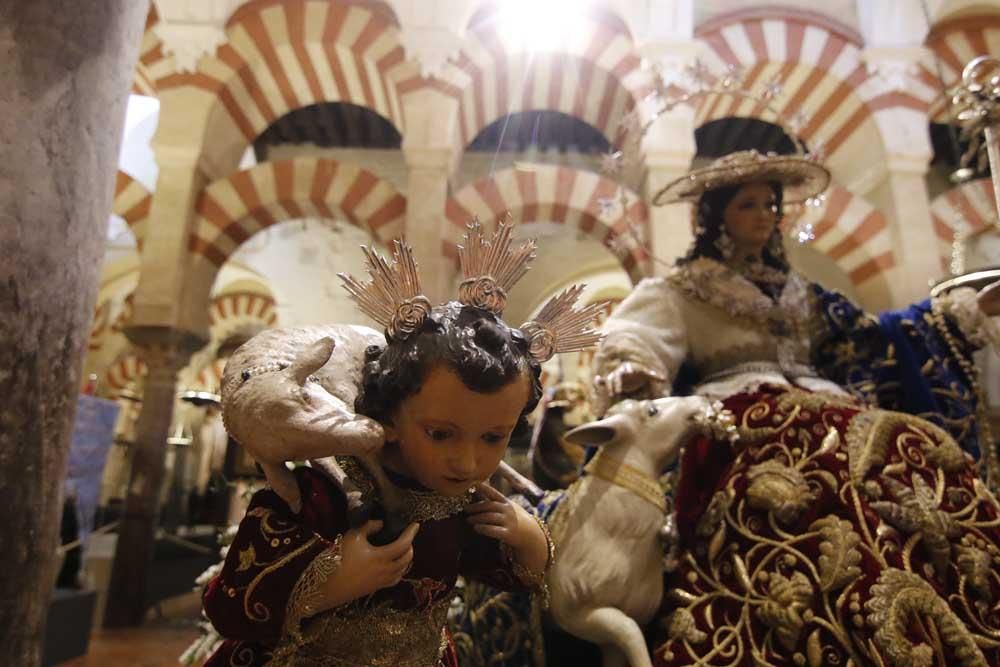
x,y
962,307
492,562
647,329
276,564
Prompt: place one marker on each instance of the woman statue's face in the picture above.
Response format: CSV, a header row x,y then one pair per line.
x,y
750,217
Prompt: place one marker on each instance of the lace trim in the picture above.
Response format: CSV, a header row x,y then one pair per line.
x,y
715,283
419,506
962,306
308,589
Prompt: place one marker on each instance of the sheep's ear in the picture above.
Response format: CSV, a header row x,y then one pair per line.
x,y
597,433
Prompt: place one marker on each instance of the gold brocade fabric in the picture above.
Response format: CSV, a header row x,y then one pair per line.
x,y
418,506
360,636
837,535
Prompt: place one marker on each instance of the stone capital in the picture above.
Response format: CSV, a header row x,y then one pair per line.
x,y
192,29
433,32
428,157
894,68
164,349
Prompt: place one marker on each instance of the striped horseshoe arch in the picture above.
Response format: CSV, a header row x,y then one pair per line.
x,y
550,194
965,209
856,236
282,56
822,76
131,203
233,209
597,78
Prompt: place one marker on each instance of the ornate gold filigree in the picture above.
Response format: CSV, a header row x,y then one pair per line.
x,y
777,488
417,506
900,597
916,511
839,557
787,599
872,433
374,636
302,601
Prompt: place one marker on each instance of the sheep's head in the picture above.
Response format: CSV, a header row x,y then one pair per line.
x,y
658,427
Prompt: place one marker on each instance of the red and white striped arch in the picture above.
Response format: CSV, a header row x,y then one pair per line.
x,y
209,378
131,203
822,73
125,314
550,193
237,310
233,209
597,79
855,235
284,55
954,43
965,209
126,370
152,63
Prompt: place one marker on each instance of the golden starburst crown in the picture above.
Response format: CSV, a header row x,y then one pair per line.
x,y
490,268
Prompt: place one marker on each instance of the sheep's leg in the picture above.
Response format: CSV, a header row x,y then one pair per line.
x,y
392,502
607,625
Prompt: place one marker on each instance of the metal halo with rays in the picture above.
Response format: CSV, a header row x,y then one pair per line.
x,y
491,267
559,327
393,296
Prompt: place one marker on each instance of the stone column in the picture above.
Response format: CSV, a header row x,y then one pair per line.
x,y
665,37
430,151
669,148
165,351
902,192
64,78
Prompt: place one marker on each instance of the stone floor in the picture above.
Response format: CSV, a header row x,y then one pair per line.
x,y
159,643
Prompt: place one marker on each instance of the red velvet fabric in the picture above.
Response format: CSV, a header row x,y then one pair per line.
x,y
247,601
761,584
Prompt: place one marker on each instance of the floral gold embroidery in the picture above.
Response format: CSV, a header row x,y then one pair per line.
x,y
898,598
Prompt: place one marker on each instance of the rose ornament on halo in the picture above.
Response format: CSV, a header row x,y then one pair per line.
x,y
409,316
483,292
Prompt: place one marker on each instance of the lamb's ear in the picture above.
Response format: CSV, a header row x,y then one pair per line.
x,y
598,433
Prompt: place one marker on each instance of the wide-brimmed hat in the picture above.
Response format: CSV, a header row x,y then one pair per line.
x,y
800,177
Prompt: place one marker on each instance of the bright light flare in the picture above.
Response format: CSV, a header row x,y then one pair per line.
x,y
542,25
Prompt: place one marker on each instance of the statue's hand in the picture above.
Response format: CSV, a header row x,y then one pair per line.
x,y
989,299
628,378
286,416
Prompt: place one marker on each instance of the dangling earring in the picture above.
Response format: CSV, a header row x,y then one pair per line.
x,y
725,244
776,246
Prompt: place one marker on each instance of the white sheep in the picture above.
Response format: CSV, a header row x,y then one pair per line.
x,y
607,579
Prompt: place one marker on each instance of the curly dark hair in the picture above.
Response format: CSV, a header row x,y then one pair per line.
x,y
709,212
472,342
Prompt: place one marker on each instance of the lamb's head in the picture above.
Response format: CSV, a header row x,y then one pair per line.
x,y
285,415
658,427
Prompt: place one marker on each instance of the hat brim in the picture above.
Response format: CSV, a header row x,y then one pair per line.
x,y
800,179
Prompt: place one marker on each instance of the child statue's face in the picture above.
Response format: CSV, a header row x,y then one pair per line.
x,y
451,437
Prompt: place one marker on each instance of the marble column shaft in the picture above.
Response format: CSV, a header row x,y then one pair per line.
x,y
65,72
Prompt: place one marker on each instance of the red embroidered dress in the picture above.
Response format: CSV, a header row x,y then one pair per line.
x,y
260,602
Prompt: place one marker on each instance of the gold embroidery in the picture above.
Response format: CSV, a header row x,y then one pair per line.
x,y
839,557
302,601
778,489
418,506
900,596
870,435
372,636
916,512
621,474
535,581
